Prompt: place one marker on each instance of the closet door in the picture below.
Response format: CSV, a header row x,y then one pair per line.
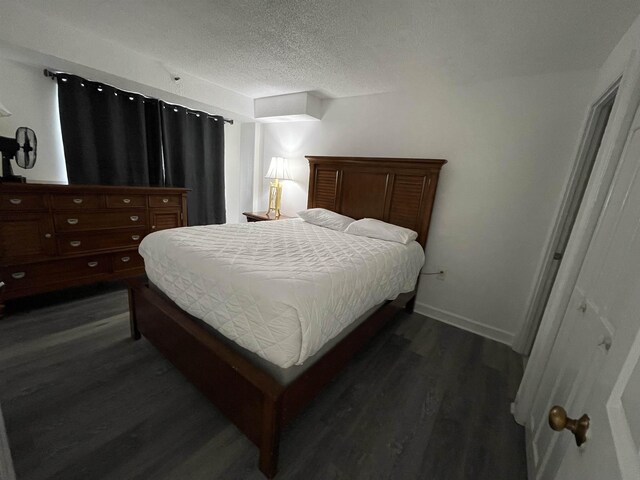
x,y
594,367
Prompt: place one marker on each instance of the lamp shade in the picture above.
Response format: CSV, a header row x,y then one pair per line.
x,y
3,111
278,168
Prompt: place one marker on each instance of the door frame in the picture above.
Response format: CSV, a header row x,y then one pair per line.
x,y
545,278
613,142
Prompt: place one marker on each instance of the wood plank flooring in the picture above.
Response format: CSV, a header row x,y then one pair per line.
x,y
83,401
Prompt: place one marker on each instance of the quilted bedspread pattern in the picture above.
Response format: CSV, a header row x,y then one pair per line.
x,y
280,289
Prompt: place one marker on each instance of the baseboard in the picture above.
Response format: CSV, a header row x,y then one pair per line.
x,y
464,323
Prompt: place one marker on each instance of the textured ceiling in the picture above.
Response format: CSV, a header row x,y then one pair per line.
x,y
354,47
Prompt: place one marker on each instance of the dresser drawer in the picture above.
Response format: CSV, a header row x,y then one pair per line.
x,y
36,275
159,201
19,201
72,243
81,221
127,261
75,202
126,201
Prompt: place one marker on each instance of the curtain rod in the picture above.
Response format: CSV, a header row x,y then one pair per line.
x,y
54,75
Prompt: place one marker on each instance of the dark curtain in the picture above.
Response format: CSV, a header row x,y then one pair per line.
x,y
111,137
193,147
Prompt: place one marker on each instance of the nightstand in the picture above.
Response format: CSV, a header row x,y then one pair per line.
x,y
262,217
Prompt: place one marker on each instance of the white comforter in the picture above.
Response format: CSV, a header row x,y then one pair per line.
x,y
280,289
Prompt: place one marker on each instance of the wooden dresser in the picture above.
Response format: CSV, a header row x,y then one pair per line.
x,y
58,236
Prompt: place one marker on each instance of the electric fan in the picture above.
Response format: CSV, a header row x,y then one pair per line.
x,y
24,148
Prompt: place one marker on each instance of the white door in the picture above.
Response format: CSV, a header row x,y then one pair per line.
x,y
594,366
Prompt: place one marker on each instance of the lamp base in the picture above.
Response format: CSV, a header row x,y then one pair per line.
x,y
275,198
276,213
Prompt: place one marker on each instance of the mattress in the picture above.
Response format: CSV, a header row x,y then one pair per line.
x,y
279,289
284,376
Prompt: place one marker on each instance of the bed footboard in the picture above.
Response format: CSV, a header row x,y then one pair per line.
x,y
252,399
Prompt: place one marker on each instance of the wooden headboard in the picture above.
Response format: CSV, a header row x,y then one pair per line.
x,y
395,190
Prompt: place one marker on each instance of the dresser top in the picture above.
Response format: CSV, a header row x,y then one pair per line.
x,y
59,188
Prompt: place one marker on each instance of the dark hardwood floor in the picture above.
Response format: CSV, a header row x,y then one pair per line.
x,y
83,401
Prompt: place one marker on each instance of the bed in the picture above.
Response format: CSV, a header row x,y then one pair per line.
x,y
204,314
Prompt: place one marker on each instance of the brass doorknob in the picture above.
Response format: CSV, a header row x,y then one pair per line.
x,y
558,421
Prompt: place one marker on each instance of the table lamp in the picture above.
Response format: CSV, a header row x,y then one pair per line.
x,y
278,170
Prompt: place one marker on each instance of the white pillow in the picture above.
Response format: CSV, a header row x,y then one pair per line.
x,y
326,218
369,227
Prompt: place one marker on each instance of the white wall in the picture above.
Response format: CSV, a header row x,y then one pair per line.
x,y
54,44
614,65
249,142
32,100
509,144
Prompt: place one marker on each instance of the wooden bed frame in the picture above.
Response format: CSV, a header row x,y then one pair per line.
x,y
396,190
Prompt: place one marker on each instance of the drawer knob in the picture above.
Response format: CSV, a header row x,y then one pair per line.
x,y
47,235
75,243
153,227
126,200
135,237
16,201
134,218
165,200
78,201
72,221
18,275
92,264
125,259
